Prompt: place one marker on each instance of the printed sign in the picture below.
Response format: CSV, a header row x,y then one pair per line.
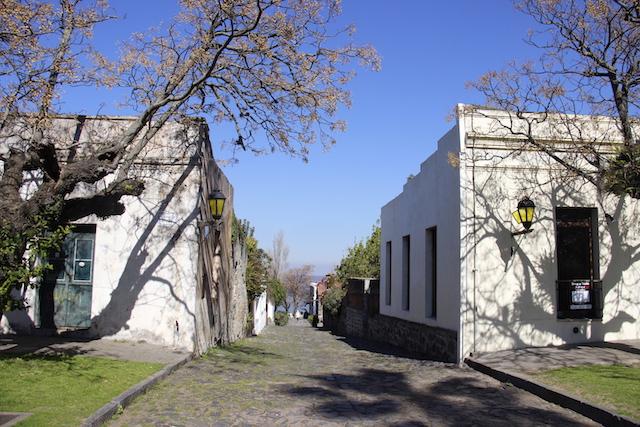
x,y
580,296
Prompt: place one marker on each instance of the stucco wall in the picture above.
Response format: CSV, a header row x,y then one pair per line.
x,y
509,296
260,313
429,199
146,264
145,270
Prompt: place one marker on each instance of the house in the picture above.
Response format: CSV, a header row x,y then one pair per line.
x,y
162,272
457,267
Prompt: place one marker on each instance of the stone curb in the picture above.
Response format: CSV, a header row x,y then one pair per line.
x,y
550,394
120,402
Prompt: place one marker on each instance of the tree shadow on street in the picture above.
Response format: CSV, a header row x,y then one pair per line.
x,y
44,346
362,344
372,393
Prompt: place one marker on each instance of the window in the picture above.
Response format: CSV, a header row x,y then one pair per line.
x,y
579,285
387,284
406,271
430,273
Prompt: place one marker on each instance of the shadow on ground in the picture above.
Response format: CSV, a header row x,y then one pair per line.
x,y
242,354
454,401
35,346
379,348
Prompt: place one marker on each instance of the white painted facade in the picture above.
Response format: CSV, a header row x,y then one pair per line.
x,y
260,314
495,290
145,267
313,293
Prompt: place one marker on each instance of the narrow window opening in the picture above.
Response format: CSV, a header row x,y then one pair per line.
x,y
387,284
431,269
406,272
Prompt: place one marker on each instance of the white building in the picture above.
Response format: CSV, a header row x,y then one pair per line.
x,y
450,259
160,272
263,310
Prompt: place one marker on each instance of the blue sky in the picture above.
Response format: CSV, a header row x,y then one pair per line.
x,y
429,50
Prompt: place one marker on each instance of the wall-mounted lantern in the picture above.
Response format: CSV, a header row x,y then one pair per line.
x,y
524,215
216,203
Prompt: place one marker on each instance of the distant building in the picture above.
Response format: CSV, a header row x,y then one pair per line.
x,y
454,261
160,272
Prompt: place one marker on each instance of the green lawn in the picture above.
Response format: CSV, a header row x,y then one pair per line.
x,y
613,386
63,390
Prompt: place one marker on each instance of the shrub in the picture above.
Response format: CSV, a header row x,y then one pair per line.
x,y
248,327
332,299
281,319
310,318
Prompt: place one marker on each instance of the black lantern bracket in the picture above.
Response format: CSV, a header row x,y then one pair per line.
x,y
213,223
521,232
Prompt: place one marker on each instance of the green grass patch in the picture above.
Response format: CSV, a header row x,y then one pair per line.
x,y
614,386
62,390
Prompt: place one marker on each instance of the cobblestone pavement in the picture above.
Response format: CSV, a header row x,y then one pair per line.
x,y
297,375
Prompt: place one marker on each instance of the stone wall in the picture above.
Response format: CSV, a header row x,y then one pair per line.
x,y
432,342
363,321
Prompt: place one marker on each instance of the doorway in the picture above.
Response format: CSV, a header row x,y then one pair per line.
x,y
71,281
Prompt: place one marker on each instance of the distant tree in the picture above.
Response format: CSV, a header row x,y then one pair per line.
x,y
590,64
296,282
279,256
332,298
362,259
276,290
258,263
257,276
275,68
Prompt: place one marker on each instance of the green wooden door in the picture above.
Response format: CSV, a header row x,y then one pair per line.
x,y
74,278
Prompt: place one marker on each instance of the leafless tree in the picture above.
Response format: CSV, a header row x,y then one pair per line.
x,y
296,281
279,256
269,67
590,65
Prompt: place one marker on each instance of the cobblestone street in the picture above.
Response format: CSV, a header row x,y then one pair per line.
x,y
297,375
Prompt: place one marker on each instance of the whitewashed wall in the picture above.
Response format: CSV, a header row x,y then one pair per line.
x,y
515,296
145,269
271,311
495,299
431,198
260,313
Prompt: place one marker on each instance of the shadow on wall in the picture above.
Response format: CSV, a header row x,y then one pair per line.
x,y
532,309
139,269
376,393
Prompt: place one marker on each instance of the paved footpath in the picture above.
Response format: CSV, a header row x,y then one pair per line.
x,y
297,375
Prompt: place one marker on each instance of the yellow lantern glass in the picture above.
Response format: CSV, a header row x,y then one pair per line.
x,y
516,216
216,204
525,213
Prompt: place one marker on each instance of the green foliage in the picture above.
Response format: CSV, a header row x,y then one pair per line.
x,y
332,299
310,318
363,259
249,324
622,175
240,229
276,289
18,271
258,262
24,377
281,318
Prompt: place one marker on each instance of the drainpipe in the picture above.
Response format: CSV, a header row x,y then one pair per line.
x,y
475,242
